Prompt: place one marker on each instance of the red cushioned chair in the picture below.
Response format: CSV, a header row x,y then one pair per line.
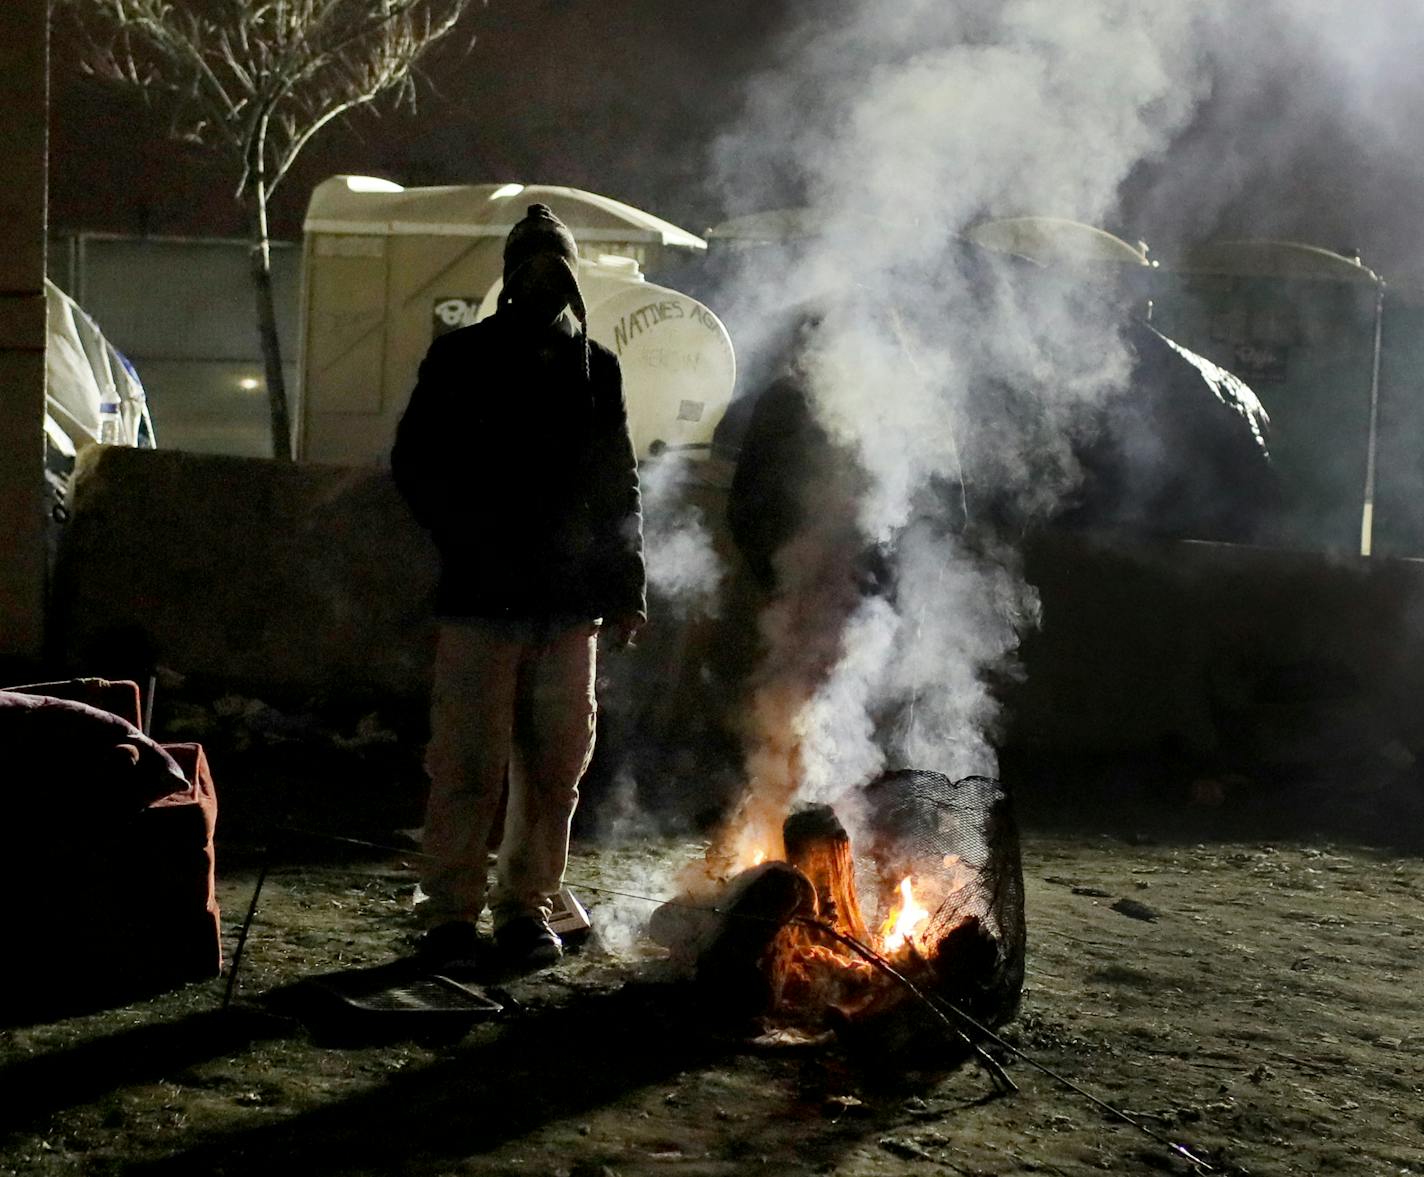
x,y
106,844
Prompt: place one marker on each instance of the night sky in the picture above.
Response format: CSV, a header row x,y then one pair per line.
x,y
621,98
628,99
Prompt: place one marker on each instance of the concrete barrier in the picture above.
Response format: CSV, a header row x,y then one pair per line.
x,y
287,581
274,579
1221,650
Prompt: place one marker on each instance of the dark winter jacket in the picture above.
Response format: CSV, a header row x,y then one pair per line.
x,y
523,471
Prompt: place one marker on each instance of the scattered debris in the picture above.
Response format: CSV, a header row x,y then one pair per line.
x,y
836,1106
790,1038
904,1149
922,1109
731,1110
243,722
1135,910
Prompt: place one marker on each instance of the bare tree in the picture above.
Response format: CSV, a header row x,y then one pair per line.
x,y
257,79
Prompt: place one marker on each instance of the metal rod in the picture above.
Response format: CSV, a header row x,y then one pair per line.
x,y
980,1028
246,927
981,1056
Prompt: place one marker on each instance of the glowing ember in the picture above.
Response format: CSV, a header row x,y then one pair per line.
x,y
904,919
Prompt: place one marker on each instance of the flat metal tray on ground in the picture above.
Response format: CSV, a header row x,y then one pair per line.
x,y
391,1003
432,994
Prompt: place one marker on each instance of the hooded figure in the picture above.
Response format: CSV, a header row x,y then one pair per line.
x,y
541,262
514,453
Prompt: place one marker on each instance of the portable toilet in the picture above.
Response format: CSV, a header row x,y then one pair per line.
x,y
385,269
1300,325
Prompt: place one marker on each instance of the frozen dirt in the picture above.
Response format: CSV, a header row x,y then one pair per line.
x,y
1267,1018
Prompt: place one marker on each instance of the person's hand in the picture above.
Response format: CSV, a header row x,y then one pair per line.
x,y
622,630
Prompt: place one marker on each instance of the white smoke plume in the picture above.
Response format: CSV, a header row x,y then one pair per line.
x,y
629,874
963,611
683,568
903,126
617,919
1310,134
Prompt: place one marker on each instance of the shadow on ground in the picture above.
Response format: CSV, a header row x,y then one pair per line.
x,y
498,1087
37,1088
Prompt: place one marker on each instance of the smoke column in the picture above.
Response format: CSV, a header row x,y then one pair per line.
x,y
684,571
1310,134
903,126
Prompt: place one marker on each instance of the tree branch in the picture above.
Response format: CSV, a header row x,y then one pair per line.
x,y
263,78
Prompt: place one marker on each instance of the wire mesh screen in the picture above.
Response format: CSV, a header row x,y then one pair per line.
x,y
959,841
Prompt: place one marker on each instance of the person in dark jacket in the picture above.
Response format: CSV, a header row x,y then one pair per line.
x,y
514,453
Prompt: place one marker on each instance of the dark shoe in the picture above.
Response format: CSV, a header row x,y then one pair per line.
x,y
455,946
527,943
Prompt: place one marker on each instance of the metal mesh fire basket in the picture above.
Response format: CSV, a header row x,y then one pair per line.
x,y
961,837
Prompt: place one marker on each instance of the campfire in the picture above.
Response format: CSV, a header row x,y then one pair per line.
x,y
813,933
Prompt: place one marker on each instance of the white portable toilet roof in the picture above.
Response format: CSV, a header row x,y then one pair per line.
x,y
1273,259
1052,239
364,205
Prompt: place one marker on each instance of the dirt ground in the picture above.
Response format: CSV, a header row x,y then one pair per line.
x,y
1266,1018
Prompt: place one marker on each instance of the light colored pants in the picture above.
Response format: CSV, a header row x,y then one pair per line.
x,y
506,703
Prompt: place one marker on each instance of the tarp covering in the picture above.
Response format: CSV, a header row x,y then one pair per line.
x,y
82,370
1181,453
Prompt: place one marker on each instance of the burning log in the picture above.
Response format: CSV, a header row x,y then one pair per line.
x,y
730,937
888,1022
810,971
818,845
738,967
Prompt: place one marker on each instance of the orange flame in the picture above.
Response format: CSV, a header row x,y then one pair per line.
x,y
904,919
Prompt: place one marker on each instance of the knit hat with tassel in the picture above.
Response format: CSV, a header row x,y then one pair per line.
x,y
542,234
